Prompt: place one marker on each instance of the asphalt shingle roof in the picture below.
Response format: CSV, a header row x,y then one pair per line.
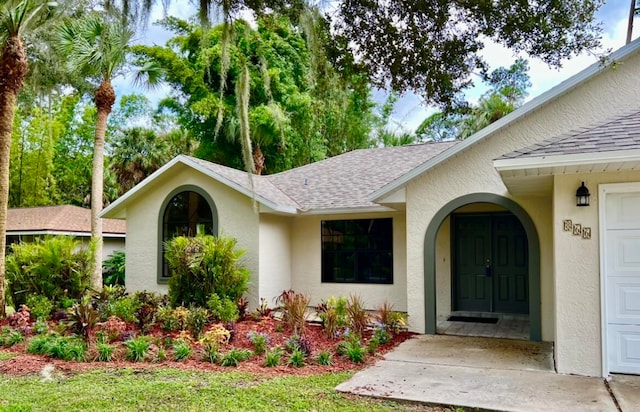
x,y
65,218
338,182
346,180
261,184
619,133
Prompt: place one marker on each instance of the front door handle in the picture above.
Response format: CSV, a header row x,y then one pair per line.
x,y
487,268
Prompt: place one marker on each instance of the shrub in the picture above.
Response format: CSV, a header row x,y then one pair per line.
x,y
105,352
214,337
242,304
235,356
381,333
82,319
103,298
357,314
333,314
353,350
66,302
146,304
294,310
272,358
161,355
299,343
211,341
166,319
137,348
181,315
10,337
262,311
260,342
223,310
53,267
20,319
202,265
40,306
68,348
124,307
181,350
297,358
56,346
372,346
113,269
113,327
393,320
324,358
38,345
232,328
196,321
40,326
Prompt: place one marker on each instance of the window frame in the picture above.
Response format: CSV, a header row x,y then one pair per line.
x,y
358,254
160,278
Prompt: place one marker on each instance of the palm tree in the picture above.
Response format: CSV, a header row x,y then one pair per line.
x,y
97,47
16,18
137,154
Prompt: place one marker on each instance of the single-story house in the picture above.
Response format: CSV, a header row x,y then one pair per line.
x,y
487,224
25,224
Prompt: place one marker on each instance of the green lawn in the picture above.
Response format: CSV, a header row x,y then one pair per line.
x,y
175,390
4,355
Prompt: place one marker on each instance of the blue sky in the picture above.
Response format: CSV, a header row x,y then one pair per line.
x,y
410,111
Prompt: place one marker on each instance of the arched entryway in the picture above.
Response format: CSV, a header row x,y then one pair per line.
x,y
186,211
533,251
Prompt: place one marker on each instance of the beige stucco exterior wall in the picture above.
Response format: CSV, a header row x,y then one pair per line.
x,y
611,93
236,218
306,263
111,245
578,330
275,256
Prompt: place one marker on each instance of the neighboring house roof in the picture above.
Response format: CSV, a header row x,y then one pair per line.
x,y
65,219
340,183
521,112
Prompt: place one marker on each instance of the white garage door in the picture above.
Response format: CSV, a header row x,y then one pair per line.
x,y
622,277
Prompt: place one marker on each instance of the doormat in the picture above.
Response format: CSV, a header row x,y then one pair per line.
x,y
474,319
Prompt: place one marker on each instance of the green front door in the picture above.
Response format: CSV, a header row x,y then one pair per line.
x,y
489,264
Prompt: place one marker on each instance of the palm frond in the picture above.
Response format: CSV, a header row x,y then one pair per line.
x,y
95,45
17,16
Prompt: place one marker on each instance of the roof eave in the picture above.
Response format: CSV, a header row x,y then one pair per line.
x,y
527,108
577,159
61,233
348,210
112,210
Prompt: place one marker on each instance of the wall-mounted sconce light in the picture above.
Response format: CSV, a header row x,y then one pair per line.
x,y
582,196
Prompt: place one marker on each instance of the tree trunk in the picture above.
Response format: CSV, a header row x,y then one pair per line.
x,y
105,97
632,13
258,159
7,110
13,70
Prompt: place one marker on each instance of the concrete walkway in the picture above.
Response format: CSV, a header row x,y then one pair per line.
x,y
494,374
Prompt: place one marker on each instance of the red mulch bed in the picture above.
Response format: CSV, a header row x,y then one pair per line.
x,y
26,364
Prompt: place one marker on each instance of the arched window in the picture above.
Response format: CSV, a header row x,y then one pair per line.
x,y
187,211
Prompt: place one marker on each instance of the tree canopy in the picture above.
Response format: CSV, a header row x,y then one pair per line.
x,y
507,89
292,119
430,47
